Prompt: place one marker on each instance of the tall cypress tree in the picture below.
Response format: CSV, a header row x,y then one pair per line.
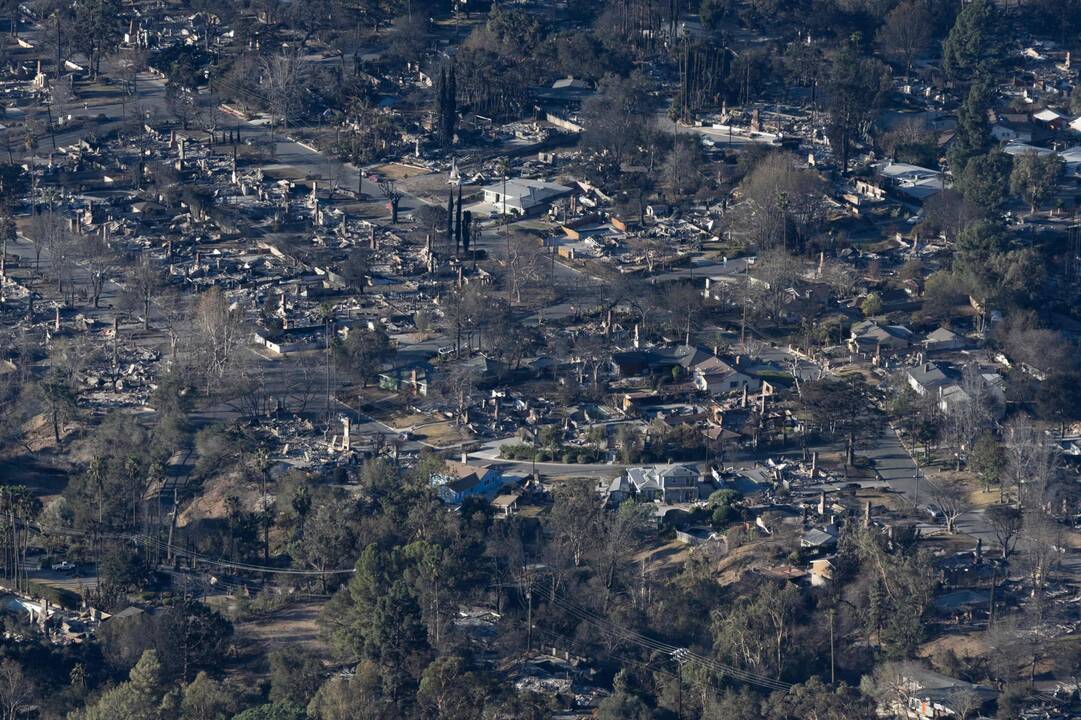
x,y
467,225
439,123
973,135
450,107
977,43
450,218
458,223
446,110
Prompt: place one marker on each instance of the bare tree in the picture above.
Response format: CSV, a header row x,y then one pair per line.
x,y
1041,548
45,230
525,268
966,419
173,311
16,691
393,196
1006,523
781,203
144,283
457,385
906,32
219,330
964,701
282,81
1032,464
952,499
890,686
51,235
248,386
304,385
98,259
773,275
59,388
62,251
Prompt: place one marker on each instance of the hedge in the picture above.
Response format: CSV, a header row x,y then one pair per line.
x,y
68,599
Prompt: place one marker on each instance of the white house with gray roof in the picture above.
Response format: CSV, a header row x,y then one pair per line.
x,y
665,483
521,196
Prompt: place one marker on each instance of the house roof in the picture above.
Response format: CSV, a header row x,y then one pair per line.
x,y
571,83
457,469
653,478
870,330
524,194
943,335
619,484
463,483
694,358
817,538
128,612
506,500
667,471
1017,148
928,375
942,688
912,180
1048,116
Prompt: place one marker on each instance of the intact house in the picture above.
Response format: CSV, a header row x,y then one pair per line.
x,y
665,483
706,370
932,380
819,539
945,340
911,182
870,337
523,197
926,379
616,490
459,480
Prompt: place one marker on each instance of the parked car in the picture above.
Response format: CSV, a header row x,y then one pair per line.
x,y
933,511
64,566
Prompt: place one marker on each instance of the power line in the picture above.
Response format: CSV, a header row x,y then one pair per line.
x,y
612,630
191,554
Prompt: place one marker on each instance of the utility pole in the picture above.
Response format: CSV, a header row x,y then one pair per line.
x,y
833,673
679,673
327,333
743,325
264,469
680,655
916,501
534,453
529,619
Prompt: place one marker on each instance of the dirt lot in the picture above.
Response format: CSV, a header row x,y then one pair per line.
x,y
398,171
433,188
665,560
291,626
442,434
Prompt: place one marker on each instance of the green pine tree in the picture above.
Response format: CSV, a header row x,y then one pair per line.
x,y
976,46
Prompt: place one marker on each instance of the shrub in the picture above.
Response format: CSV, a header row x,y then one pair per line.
x,y
67,599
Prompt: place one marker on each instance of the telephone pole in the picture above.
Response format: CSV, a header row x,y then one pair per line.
x,y
680,655
833,667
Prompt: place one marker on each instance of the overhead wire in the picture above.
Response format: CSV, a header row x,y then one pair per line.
x,y
191,554
609,628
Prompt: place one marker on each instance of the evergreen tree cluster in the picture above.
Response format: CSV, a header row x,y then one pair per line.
x,y
446,106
